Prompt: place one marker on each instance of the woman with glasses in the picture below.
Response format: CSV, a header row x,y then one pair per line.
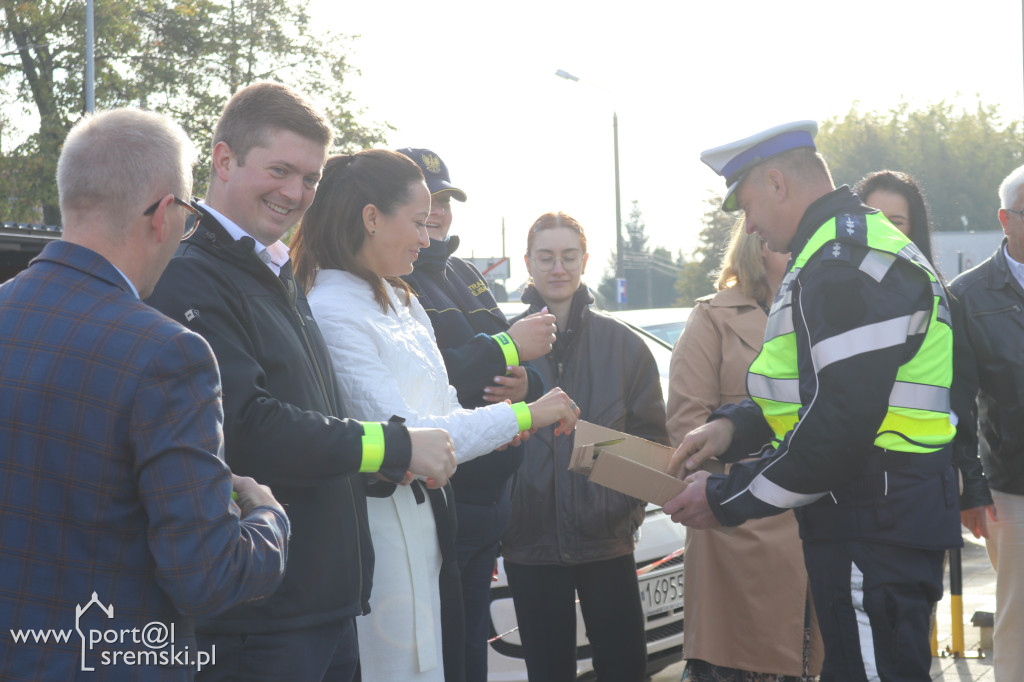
x,y
364,230
725,639
567,536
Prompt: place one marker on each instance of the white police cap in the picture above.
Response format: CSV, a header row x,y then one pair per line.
x,y
734,160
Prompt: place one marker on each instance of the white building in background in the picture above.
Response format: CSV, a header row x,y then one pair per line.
x,y
955,252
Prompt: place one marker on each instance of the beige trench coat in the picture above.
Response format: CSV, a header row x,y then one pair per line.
x,y
744,593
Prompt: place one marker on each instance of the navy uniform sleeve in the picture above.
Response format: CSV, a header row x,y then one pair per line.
x,y
472,366
852,335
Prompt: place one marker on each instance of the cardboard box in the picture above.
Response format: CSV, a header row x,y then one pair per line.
x,y
625,463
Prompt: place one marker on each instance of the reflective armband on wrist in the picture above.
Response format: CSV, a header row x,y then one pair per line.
x,y
523,416
373,447
508,348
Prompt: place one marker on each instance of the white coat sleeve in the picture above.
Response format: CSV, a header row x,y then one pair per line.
x,y
371,389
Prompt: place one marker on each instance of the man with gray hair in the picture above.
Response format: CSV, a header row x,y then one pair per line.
x,y
114,492
988,314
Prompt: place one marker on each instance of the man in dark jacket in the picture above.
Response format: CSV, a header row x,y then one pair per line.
x,y
989,321
850,410
232,282
483,358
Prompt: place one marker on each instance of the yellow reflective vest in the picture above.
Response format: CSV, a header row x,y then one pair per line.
x,y
917,420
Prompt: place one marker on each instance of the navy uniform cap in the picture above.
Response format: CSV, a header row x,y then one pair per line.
x,y
734,160
434,170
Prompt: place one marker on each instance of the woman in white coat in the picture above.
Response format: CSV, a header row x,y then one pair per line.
x,y
364,229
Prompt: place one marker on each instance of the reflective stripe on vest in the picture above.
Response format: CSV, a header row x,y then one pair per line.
x,y
918,415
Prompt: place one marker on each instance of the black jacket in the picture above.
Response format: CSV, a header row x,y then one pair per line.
x,y
558,516
282,426
988,316
842,486
464,315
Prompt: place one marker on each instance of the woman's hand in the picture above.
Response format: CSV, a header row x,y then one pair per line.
x,y
555,406
512,387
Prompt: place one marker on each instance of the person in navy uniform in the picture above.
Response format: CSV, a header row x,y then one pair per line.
x,y
849,417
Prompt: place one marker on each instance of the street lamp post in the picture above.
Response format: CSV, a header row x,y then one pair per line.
x,y
90,68
618,200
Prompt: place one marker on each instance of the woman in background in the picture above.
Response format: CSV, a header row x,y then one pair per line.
x,y
899,198
365,229
568,536
748,608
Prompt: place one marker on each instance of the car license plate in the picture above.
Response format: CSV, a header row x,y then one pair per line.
x,y
662,592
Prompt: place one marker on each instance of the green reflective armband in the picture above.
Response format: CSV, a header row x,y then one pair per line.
x,y
373,447
523,416
508,348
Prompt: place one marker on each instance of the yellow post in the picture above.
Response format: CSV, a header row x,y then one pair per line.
x,y
956,605
956,601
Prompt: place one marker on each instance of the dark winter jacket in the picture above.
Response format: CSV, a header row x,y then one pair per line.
x,y
558,516
282,426
988,317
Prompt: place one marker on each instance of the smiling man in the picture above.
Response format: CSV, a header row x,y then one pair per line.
x,y
232,283
849,417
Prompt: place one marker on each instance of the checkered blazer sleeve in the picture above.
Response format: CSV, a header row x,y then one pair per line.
x,y
206,560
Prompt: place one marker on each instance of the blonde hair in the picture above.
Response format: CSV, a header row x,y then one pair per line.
x,y
743,265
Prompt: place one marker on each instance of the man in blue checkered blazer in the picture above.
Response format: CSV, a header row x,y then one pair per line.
x,y
117,527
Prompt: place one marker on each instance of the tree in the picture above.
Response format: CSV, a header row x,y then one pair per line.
x,y
184,58
697,276
650,274
958,157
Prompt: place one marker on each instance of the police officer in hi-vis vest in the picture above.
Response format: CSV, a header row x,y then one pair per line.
x,y
849,421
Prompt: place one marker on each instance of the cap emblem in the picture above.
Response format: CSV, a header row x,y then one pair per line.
x,y
432,162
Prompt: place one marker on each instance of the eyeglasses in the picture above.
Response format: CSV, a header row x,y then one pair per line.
x,y
1020,212
191,221
547,263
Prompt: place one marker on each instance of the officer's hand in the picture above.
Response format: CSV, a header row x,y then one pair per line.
x,y
251,494
534,335
700,445
433,456
690,507
512,387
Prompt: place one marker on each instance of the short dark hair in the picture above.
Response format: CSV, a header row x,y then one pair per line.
x,y
331,233
257,110
903,184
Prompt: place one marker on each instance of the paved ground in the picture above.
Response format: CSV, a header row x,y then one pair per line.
x,y
979,590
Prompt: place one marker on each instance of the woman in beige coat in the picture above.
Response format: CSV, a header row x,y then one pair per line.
x,y
748,612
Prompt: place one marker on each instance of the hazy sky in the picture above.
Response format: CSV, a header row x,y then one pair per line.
x,y
474,81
